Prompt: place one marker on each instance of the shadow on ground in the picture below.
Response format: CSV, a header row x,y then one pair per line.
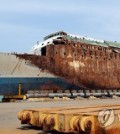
x,y
25,128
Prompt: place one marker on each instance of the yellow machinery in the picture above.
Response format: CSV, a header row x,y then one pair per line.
x,y
87,120
19,96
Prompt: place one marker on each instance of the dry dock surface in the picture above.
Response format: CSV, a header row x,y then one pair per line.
x,y
8,113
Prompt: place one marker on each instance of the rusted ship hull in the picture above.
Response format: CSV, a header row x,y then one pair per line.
x,y
34,85
66,66
85,65
15,71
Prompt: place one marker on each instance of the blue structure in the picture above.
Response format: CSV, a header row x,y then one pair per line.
x,y
9,85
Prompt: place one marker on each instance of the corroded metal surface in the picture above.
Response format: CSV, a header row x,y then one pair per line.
x,y
85,65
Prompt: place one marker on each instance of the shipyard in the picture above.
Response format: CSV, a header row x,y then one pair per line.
x,y
59,67
65,81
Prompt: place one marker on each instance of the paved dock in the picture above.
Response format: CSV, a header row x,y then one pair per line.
x,y
9,122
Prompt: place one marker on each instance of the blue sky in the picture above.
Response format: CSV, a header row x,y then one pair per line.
x,y
24,22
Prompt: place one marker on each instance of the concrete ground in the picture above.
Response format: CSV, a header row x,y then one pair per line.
x,y
8,113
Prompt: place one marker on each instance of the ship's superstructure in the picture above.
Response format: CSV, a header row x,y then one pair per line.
x,y
63,37
36,49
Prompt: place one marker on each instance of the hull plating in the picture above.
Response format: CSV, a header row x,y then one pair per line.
x,y
14,71
9,86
